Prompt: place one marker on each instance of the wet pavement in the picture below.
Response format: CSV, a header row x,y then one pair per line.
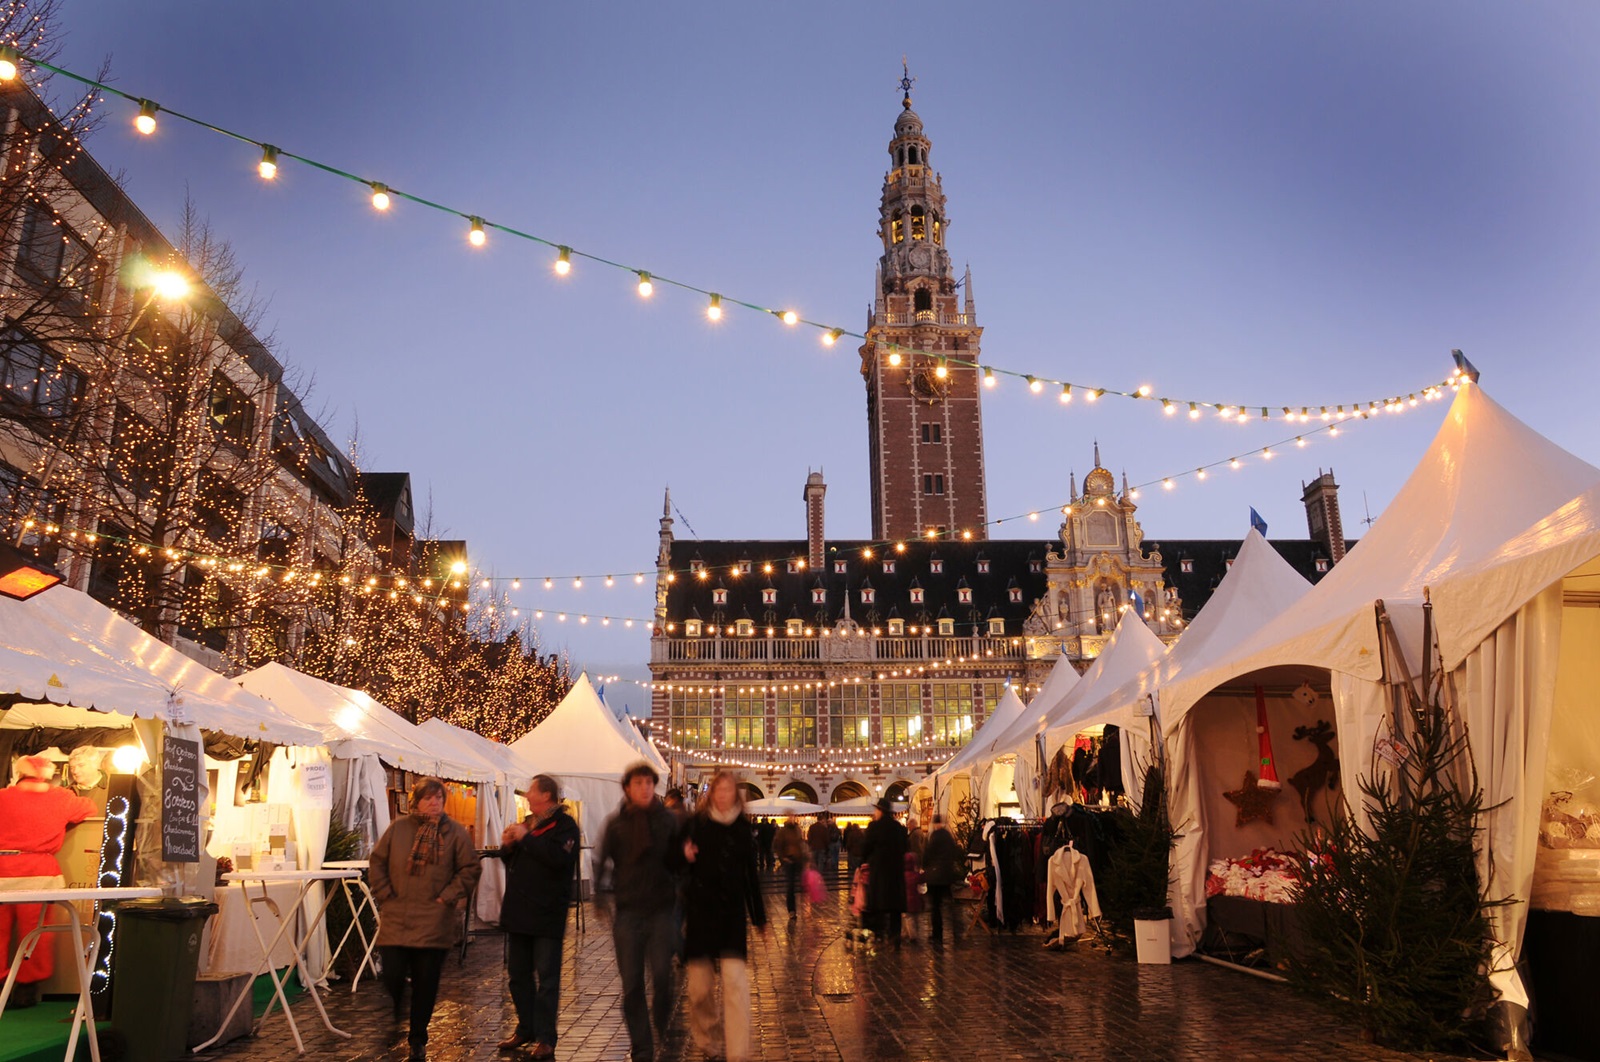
x,y
818,995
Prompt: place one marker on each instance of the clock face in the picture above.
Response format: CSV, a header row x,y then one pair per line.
x,y
926,385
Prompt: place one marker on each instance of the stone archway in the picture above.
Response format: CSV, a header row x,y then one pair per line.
x,y
751,792
849,789
897,789
799,790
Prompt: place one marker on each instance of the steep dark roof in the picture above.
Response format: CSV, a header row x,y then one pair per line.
x,y
1009,563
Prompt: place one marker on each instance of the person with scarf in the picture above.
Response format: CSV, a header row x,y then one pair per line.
x,y
636,844
34,816
539,853
422,870
723,888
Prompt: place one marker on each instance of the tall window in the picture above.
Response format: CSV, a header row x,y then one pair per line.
x,y
952,713
35,377
900,709
850,715
797,719
897,229
932,433
919,230
50,253
992,694
744,716
232,415
689,716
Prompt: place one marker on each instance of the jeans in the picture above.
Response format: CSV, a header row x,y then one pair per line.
x,y
641,937
424,965
938,900
533,965
791,881
725,1035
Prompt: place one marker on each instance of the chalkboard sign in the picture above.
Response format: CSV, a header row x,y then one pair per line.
x,y
180,801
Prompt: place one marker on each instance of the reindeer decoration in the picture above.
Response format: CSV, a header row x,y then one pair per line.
x,y
1323,772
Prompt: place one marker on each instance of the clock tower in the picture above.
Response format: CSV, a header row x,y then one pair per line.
x,y
924,416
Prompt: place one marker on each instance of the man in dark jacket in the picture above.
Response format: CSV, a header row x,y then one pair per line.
x,y
636,845
943,865
884,852
540,853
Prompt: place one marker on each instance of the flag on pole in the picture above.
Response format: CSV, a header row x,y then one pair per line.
x,y
1257,523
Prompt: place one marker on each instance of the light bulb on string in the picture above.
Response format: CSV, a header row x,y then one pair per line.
x,y
789,317
1194,411
714,309
1034,384
942,369
1066,393
646,288
563,261
831,336
475,235
145,121
988,377
268,167
894,359
380,196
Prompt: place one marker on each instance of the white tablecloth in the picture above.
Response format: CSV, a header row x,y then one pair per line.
x,y
230,944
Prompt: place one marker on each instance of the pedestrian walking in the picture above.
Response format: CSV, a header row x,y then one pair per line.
x,y
723,889
817,841
421,871
854,837
765,833
540,853
944,867
636,847
884,853
790,848
835,842
916,838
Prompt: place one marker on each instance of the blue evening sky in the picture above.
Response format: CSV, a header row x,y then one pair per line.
x,y
1243,202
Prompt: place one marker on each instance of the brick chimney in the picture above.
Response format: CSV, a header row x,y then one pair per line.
x,y
1321,496
815,489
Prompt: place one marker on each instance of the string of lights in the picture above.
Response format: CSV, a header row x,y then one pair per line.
x,y
384,195
439,593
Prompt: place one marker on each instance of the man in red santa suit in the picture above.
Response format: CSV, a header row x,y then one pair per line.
x,y
34,816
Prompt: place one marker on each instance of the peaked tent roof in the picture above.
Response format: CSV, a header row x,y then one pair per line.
x,y
1257,588
1484,479
978,750
62,647
352,723
498,756
580,736
1131,648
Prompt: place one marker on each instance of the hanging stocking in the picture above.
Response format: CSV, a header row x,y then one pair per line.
x,y
1269,768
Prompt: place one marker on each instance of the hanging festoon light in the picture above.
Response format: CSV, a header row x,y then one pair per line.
x,y
380,196
563,261
475,235
646,288
145,120
8,62
831,336
1066,393
714,310
989,379
268,167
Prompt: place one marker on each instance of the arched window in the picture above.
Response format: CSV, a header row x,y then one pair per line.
x,y
911,156
922,300
897,230
919,229
938,229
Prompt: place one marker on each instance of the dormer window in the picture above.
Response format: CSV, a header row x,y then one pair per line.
x,y
719,596
744,627
916,595
1186,566
744,567
888,566
897,627
794,565
936,566
868,595
697,565
964,595
983,565
794,628
1230,562
1035,565
691,628
1015,593
947,627
819,596
997,627
840,567
1322,564
769,596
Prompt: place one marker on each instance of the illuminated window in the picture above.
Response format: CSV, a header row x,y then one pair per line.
x,y
938,230
850,715
919,230
952,713
897,627
900,712
997,627
692,628
744,627
744,716
897,229
689,716
233,415
794,627
796,718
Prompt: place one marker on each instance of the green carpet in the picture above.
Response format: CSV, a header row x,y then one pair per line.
x,y
39,1034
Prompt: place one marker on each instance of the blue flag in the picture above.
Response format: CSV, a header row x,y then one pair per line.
x,y
1257,523
1137,602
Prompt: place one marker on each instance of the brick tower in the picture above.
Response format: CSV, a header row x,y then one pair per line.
x,y
924,415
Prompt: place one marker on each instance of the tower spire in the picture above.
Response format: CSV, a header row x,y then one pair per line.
x,y
906,81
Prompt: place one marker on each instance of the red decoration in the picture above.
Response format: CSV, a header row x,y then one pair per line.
x,y
1269,769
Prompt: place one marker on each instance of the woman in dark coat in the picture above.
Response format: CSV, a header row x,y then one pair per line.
x,y
884,851
540,854
722,888
422,870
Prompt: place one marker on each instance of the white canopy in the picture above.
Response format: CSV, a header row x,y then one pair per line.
x,y
62,647
781,806
353,724
467,743
1491,519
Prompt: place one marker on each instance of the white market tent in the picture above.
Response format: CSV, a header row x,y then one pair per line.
x,y
1496,518
1131,648
76,663
581,743
953,781
782,806
1258,586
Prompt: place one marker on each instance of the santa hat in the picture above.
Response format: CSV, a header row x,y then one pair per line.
x,y
1269,767
39,767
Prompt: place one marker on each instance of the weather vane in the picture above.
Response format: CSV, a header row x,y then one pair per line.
x,y
906,81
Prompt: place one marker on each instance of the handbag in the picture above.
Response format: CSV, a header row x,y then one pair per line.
x,y
811,878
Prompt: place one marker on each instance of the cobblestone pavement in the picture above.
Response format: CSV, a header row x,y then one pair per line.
x,y
818,995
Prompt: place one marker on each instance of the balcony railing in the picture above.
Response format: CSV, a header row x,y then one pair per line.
x,y
721,649
926,317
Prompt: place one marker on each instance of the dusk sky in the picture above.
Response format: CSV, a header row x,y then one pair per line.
x,y
1269,203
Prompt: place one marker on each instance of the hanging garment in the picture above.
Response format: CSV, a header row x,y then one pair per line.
x,y
1071,879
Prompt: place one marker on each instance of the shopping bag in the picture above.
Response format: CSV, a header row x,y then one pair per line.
x,y
812,879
